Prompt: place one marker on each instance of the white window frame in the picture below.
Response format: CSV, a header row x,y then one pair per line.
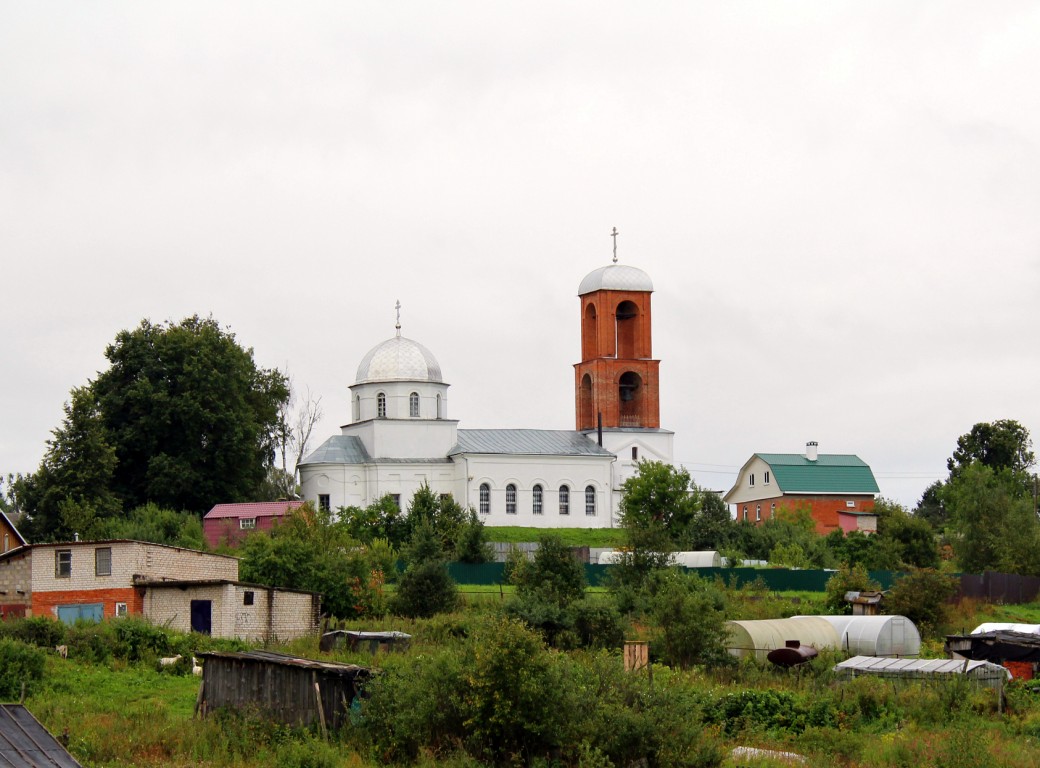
x,y
751,480
536,499
413,405
590,501
765,478
484,499
324,502
381,405
511,499
758,513
247,523
565,499
121,610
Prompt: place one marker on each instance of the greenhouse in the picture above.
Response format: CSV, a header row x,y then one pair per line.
x,y
982,673
875,635
758,638
710,559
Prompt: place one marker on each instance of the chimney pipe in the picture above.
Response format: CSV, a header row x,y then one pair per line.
x,y
810,450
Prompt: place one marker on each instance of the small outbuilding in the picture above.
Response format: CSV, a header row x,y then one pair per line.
x,y
373,642
758,638
982,673
1019,652
290,690
875,635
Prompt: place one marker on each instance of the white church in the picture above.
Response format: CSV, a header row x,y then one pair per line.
x,y
400,436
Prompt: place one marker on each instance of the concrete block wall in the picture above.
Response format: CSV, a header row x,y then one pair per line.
x,y
16,579
273,613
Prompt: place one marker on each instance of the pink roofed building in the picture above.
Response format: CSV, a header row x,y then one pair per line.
x,y
228,524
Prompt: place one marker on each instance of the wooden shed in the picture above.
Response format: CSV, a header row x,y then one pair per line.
x,y
288,689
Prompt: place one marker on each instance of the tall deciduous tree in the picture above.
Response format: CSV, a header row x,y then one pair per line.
x,y
77,472
190,415
183,418
993,516
1002,444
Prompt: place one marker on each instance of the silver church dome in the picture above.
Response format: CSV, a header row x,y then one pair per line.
x,y
615,277
399,359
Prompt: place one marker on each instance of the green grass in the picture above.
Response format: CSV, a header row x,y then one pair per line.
x,y
572,537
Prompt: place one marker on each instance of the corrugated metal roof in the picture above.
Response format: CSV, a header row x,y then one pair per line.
x,y
530,442
830,473
253,509
881,665
283,659
339,449
24,743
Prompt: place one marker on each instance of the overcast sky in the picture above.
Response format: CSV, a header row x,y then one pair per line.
x,y
838,203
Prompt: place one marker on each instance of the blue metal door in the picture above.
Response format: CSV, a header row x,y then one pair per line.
x,y
202,616
70,614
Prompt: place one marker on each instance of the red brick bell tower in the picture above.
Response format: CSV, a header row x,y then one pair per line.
x,y
617,377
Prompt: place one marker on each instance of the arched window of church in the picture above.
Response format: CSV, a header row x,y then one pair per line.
x,y
565,500
381,405
440,414
590,500
510,499
536,500
485,499
357,408
413,405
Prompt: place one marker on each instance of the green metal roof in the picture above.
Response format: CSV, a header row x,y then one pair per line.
x,y
830,473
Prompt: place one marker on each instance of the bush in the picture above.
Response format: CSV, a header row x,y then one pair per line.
x,y
922,596
691,622
20,664
425,589
848,578
40,631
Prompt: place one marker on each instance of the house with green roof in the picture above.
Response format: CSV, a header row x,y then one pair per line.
x,y
838,489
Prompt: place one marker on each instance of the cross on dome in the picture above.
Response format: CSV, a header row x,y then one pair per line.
x,y
614,235
398,325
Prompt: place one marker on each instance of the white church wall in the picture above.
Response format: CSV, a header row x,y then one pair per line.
x,y
406,438
398,399
358,485
551,472
649,445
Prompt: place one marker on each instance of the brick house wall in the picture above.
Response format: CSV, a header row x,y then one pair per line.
x,y
131,562
825,510
228,531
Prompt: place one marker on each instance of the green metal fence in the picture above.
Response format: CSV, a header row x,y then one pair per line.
x,y
775,579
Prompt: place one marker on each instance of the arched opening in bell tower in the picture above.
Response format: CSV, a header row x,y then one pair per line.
x,y
630,399
589,333
627,326
585,407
